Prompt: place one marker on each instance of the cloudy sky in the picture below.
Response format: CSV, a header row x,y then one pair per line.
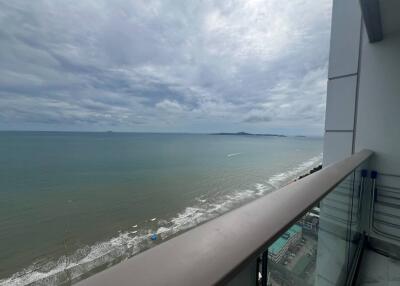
x,y
171,66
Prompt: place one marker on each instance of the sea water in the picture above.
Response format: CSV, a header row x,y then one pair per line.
x,y
75,203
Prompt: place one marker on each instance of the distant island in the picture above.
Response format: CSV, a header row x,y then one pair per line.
x,y
248,134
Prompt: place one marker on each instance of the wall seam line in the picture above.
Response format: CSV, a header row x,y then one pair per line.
x,y
338,130
342,76
357,88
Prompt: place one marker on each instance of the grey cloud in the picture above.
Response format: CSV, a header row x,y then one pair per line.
x,y
257,118
200,65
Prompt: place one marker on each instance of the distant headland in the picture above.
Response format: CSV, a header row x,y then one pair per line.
x,y
248,134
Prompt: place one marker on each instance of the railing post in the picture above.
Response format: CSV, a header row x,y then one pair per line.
x,y
264,269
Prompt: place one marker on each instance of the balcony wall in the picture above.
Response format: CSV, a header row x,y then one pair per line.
x,y
363,103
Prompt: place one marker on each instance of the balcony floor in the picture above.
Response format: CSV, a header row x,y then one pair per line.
x,y
378,270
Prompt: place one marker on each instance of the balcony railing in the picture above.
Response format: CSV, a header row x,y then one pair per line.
x,y
227,249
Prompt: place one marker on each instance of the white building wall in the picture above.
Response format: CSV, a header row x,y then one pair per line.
x,y
378,115
378,126
346,22
342,80
363,112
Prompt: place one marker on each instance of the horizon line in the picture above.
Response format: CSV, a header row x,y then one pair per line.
x,y
157,132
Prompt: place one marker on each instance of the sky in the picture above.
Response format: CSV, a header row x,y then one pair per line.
x,y
164,66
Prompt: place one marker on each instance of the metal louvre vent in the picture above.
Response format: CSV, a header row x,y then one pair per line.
x,y
385,207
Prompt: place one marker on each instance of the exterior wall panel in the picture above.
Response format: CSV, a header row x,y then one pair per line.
x,y
337,146
340,103
346,23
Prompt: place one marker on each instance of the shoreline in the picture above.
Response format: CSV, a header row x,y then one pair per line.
x,y
311,171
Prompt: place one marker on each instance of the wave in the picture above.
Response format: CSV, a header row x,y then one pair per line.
x,y
233,154
128,243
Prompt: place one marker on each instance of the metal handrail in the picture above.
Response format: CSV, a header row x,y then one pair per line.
x,y
214,252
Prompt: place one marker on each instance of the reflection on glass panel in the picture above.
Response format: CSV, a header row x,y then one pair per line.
x,y
340,230
319,248
292,257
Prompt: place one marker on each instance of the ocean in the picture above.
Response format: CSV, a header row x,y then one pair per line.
x,y
73,203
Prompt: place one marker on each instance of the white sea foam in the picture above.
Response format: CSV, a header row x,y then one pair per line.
x,y
282,178
129,243
83,260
